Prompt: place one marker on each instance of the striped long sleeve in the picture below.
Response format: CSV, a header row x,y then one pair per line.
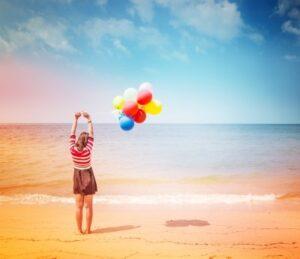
x,y
81,159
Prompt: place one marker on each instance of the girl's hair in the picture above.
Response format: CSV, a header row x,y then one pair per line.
x,y
82,141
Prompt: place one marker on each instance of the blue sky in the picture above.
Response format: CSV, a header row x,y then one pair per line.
x,y
210,61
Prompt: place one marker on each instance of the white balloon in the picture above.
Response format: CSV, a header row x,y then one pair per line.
x,y
116,113
146,86
130,94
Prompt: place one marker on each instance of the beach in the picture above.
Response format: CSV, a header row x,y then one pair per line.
x,y
132,231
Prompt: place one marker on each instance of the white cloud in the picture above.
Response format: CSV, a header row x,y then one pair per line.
x,y
181,56
36,32
131,12
149,36
290,57
202,45
56,1
101,2
218,19
283,6
63,1
97,30
5,46
294,14
199,50
143,8
288,26
256,37
150,70
119,45
290,8
51,35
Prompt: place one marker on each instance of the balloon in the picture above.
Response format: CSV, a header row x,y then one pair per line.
x,y
140,116
134,106
144,97
118,102
130,94
117,113
154,107
126,123
130,108
146,86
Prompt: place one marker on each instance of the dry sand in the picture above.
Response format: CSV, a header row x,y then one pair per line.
x,y
215,231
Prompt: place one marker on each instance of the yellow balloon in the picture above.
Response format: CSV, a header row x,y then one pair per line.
x,y
118,102
154,107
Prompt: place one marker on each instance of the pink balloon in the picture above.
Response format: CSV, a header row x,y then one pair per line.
x,y
144,97
130,108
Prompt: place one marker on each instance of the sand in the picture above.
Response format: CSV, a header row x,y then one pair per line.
x,y
136,231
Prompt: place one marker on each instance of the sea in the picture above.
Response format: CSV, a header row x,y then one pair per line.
x,y
153,163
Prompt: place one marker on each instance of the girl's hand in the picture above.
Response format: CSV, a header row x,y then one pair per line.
x,y
77,115
86,115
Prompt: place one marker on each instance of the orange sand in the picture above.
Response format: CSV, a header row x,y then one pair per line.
x,y
233,231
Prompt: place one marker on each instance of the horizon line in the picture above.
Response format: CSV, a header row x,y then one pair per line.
x,y
158,123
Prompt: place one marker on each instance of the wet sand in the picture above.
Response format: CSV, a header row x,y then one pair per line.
x,y
137,231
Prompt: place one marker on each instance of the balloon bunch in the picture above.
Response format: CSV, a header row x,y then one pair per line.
x,y
134,106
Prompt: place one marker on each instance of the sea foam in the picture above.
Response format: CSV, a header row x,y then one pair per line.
x,y
143,199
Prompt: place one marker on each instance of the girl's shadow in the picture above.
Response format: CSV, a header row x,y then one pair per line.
x,y
113,229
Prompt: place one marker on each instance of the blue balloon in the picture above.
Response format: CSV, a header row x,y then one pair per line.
x,y
126,123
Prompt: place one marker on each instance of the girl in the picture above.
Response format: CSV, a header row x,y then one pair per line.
x,y
84,182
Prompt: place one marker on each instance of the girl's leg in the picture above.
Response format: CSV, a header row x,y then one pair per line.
x,y
79,205
88,204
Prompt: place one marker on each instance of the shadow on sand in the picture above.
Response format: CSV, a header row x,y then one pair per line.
x,y
113,229
186,223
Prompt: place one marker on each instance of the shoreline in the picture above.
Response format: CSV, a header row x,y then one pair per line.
x,y
153,199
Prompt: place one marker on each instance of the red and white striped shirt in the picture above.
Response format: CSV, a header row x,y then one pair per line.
x,y
81,159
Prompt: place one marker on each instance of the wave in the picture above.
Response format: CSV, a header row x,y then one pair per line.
x,y
290,196
142,199
213,179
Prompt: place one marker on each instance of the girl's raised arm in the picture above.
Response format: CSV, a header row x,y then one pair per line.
x,y
90,124
74,125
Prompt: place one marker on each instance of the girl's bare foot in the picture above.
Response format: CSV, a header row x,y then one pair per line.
x,y
87,231
80,231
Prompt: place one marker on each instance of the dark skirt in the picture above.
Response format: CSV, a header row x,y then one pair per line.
x,y
84,182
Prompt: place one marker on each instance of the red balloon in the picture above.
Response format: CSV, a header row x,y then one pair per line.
x,y
140,116
144,97
130,108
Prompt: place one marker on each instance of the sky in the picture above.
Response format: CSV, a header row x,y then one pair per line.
x,y
209,61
